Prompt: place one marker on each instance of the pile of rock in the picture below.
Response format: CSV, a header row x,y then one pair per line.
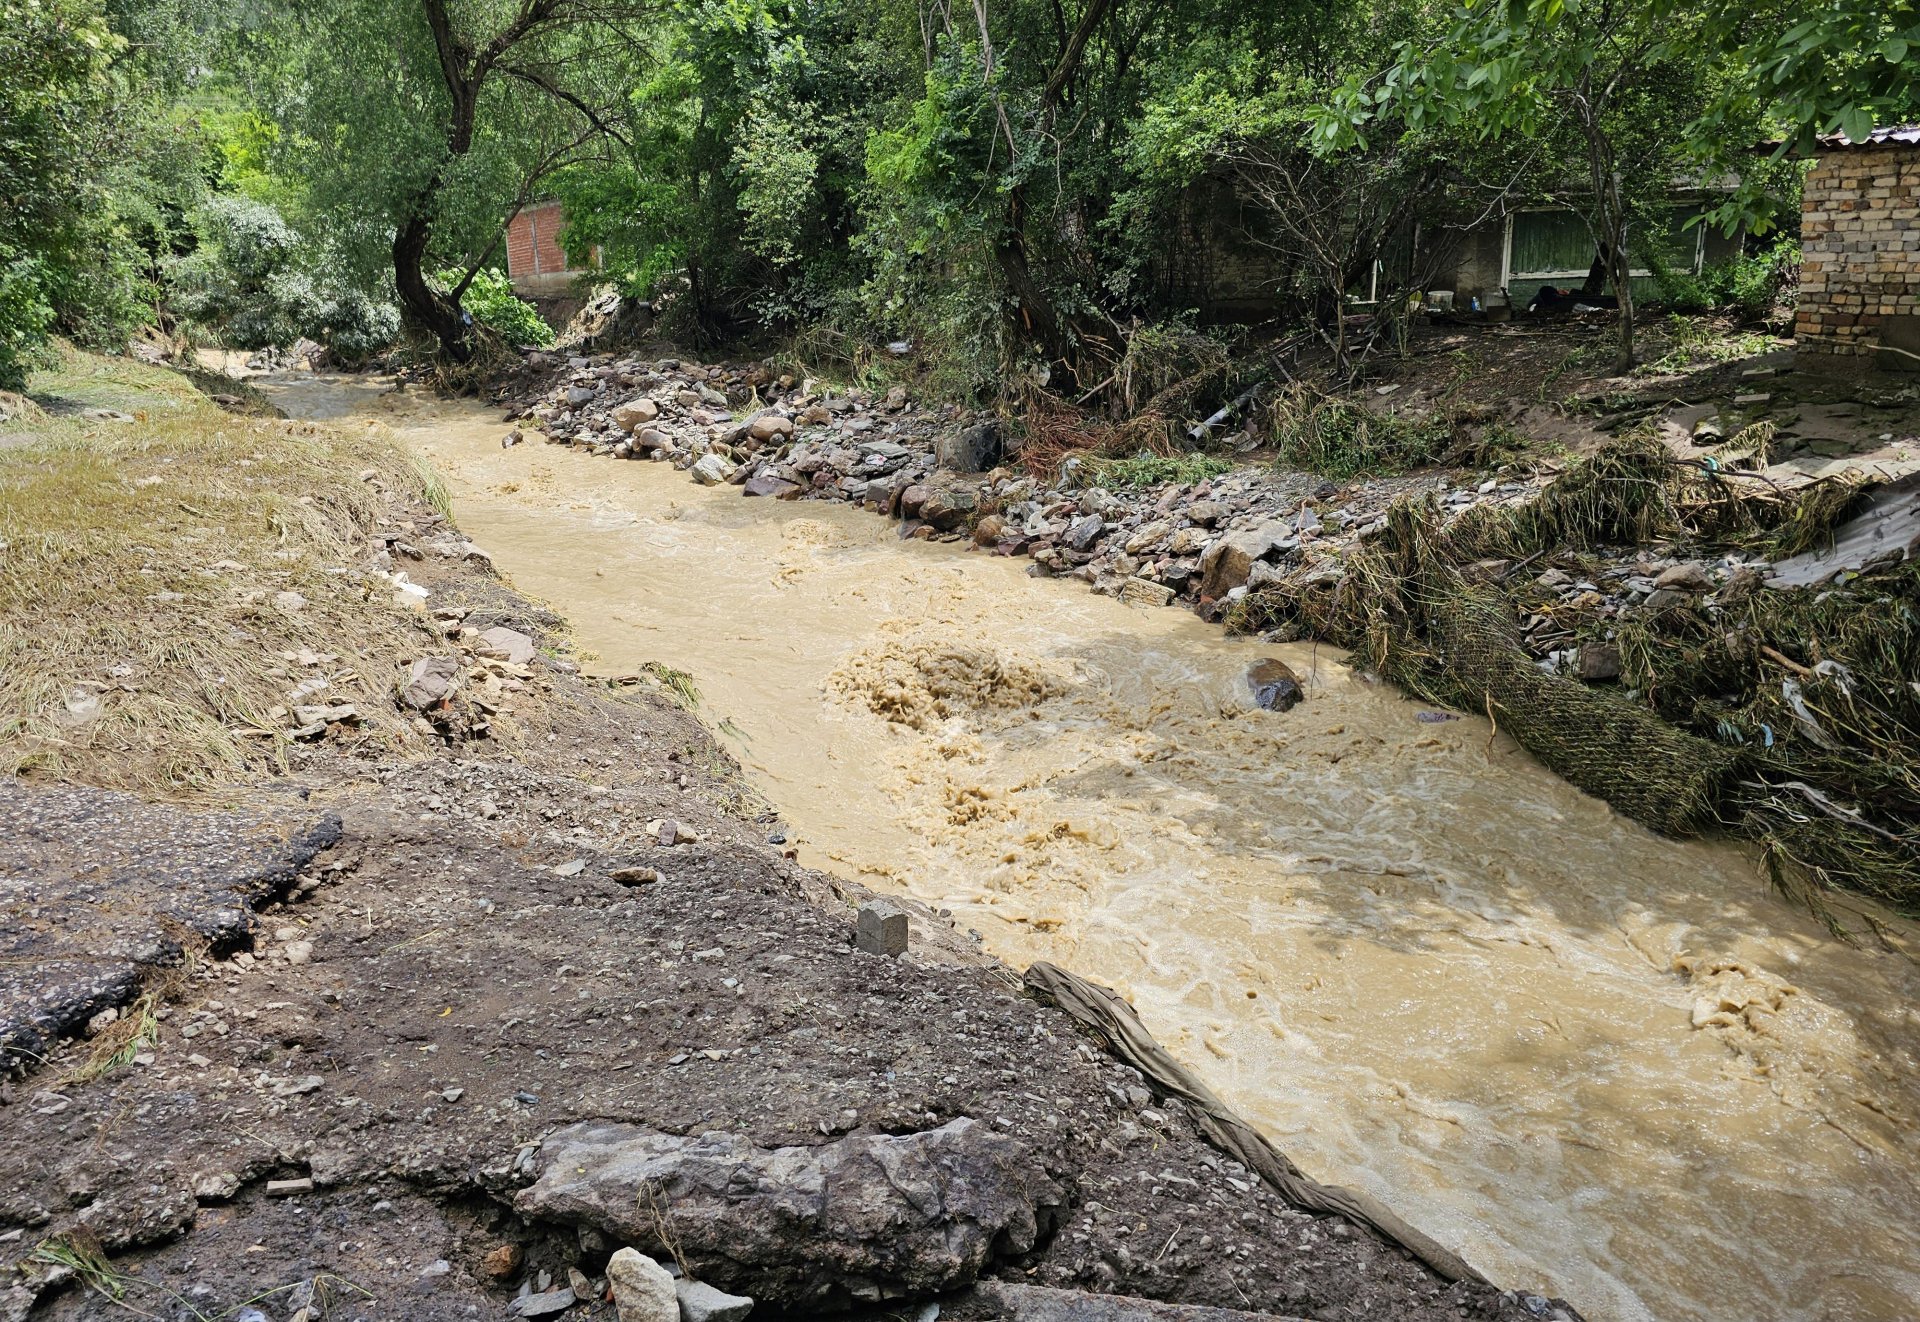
x,y
455,695
642,1290
735,424
1574,613
1204,544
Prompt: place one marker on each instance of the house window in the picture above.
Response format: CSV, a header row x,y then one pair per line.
x,y
1555,246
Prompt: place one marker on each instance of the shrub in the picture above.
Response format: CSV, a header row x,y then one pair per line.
x,y
250,285
1337,438
1749,283
1147,469
491,300
25,316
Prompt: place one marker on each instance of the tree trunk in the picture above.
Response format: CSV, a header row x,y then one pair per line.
x,y
1622,275
1604,170
426,308
1035,314
1595,284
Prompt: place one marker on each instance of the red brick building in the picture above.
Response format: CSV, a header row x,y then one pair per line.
x,y
535,261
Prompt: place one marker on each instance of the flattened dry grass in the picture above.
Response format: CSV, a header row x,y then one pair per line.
x,y
142,566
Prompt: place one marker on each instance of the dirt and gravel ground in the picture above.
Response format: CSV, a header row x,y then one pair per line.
x,y
354,1003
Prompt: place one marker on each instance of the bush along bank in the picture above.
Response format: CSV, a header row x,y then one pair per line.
x,y
1682,634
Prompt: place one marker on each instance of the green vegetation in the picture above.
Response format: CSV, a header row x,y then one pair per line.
x,y
250,283
1028,194
1751,284
491,300
1336,437
1146,469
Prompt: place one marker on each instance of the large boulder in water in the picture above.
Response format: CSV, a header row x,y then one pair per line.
x,y
1275,686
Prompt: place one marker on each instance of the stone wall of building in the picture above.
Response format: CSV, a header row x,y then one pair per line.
x,y
1860,252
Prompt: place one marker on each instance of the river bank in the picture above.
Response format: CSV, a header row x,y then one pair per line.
x,y
464,912
1582,1053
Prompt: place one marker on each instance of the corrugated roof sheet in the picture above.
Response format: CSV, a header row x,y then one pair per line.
x,y
1894,135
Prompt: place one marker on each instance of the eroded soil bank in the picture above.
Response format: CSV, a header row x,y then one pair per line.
x,y
1600,1063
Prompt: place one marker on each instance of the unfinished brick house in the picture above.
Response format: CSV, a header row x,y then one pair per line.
x,y
536,264
1860,253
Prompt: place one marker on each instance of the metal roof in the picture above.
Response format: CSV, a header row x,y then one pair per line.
x,y
1893,135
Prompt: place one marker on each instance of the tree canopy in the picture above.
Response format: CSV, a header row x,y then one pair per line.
x,y
1024,184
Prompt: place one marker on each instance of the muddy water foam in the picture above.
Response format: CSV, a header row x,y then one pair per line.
x,y
1599,1063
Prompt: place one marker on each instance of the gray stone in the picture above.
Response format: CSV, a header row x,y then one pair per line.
x,y
635,413
431,681
711,470
506,644
970,450
700,1302
770,484
542,1305
578,395
1275,686
642,1289
1148,536
1145,592
1691,576
1227,563
1083,532
216,1187
770,427
882,928
947,510
867,1216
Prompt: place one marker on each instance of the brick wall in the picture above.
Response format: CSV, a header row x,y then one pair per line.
x,y
535,261
1860,250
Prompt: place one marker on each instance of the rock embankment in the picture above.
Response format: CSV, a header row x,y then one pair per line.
x,y
1205,544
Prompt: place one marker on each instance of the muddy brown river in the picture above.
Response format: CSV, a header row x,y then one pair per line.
x,y
1599,1063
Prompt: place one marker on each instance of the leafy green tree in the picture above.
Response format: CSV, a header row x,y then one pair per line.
x,y
491,300
422,126
1529,68
1647,87
56,102
744,169
253,283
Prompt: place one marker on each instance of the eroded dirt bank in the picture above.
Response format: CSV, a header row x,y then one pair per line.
x,y
412,1010
1590,1058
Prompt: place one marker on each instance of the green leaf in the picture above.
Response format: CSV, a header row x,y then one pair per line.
x,y
1894,49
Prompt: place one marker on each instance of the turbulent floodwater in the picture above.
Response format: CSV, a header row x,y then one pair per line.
x,y
1599,1063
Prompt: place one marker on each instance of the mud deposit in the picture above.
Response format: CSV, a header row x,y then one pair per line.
x,y
1601,1064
